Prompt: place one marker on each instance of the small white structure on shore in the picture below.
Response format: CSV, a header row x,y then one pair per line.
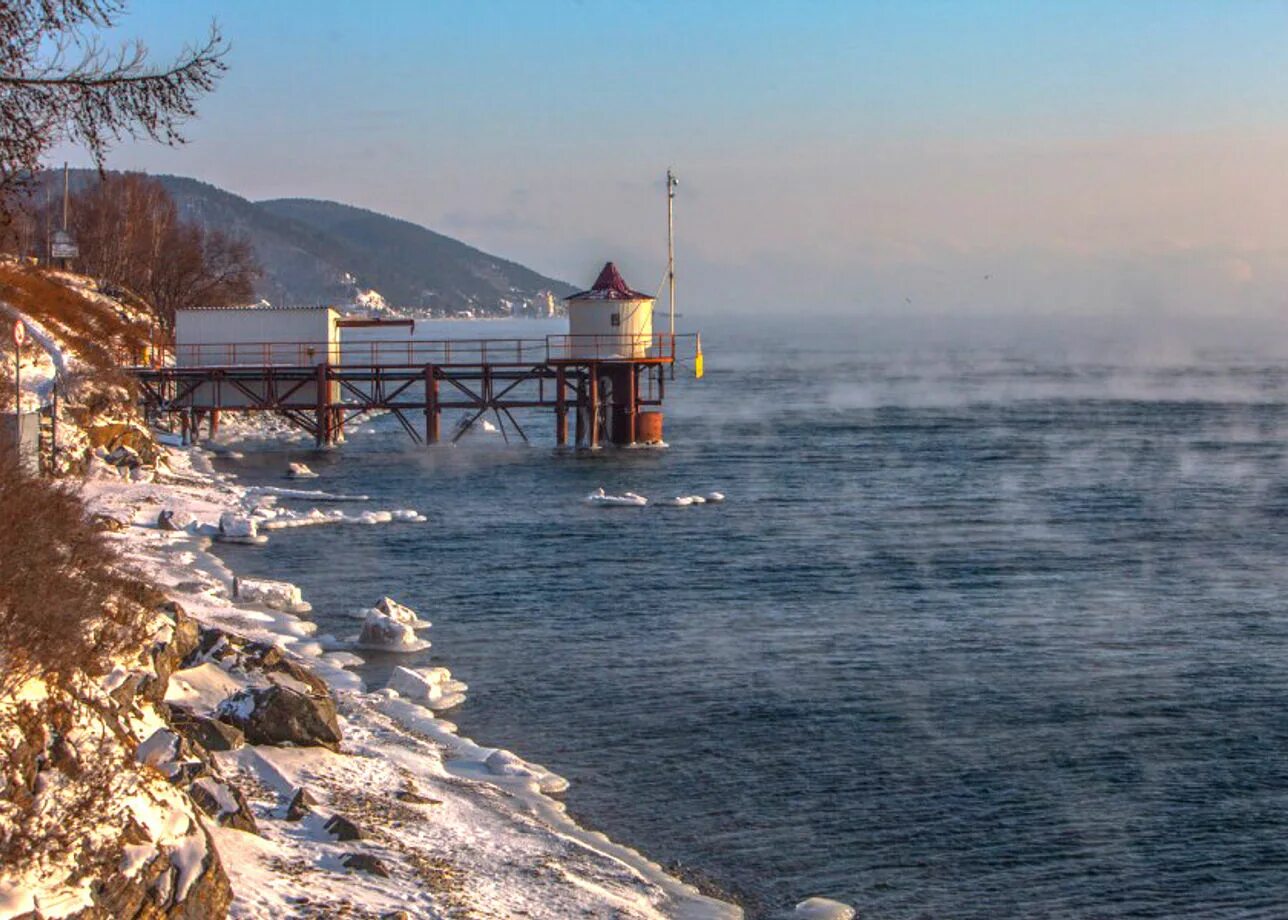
x,y
260,335
610,320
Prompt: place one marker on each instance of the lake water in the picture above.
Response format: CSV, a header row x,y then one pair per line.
x,y
981,631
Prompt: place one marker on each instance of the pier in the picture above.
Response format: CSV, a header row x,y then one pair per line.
x,y
612,385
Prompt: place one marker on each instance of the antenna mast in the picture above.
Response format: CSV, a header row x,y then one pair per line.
x,y
671,183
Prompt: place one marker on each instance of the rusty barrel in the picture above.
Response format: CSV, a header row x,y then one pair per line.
x,y
648,428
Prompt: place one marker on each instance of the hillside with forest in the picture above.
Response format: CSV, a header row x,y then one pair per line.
x,y
314,252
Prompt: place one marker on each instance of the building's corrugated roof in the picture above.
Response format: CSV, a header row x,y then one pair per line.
x,y
610,286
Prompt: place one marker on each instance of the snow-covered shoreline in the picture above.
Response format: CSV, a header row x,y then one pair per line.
x,y
478,833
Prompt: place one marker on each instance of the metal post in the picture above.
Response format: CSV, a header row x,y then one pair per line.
x,y
53,428
561,409
432,432
671,183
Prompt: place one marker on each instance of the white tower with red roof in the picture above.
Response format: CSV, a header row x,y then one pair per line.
x,y
610,320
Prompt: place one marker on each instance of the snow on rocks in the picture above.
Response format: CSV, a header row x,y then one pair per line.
x,y
600,499
239,528
299,471
382,632
282,519
432,687
400,612
280,595
513,852
504,763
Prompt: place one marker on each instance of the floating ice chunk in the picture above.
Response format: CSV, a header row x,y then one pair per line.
x,y
715,497
299,471
504,763
239,528
314,494
600,499
823,909
381,632
279,595
408,514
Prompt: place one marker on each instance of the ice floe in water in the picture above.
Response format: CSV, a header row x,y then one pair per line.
x,y
281,519
823,909
399,612
684,501
600,499
299,471
391,627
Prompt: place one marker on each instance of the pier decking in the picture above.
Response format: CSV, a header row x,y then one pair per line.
x,y
613,385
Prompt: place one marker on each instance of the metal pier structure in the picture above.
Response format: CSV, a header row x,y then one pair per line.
x,y
612,385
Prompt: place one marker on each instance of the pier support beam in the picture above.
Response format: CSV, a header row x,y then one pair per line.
x,y
561,408
433,419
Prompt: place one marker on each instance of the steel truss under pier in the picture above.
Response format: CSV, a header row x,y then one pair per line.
x,y
612,399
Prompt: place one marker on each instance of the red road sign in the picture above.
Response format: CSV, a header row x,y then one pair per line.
x,y
19,333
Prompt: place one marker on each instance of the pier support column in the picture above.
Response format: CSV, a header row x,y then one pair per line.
x,y
594,405
632,403
580,407
561,409
322,407
432,414
214,423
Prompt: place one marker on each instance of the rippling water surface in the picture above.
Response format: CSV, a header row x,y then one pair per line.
x,y
980,632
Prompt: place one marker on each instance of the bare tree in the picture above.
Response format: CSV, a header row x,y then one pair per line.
x,y
131,234
57,82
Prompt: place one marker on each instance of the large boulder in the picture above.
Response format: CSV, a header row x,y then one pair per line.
x,y
281,715
224,802
169,653
210,734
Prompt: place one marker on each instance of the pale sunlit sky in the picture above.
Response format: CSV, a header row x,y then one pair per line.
x,y
1089,157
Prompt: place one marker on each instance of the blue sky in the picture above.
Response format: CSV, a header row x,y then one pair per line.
x,y
859,156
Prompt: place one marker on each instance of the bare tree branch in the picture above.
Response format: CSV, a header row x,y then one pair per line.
x,y
97,101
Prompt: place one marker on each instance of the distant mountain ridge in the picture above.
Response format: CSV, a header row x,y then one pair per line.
x,y
326,252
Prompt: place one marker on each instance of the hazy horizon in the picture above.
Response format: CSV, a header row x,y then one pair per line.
x,y
954,159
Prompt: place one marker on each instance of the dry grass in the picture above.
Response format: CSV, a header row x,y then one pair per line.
x,y
96,331
66,606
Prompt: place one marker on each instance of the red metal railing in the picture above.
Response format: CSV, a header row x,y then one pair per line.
x,y
656,347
